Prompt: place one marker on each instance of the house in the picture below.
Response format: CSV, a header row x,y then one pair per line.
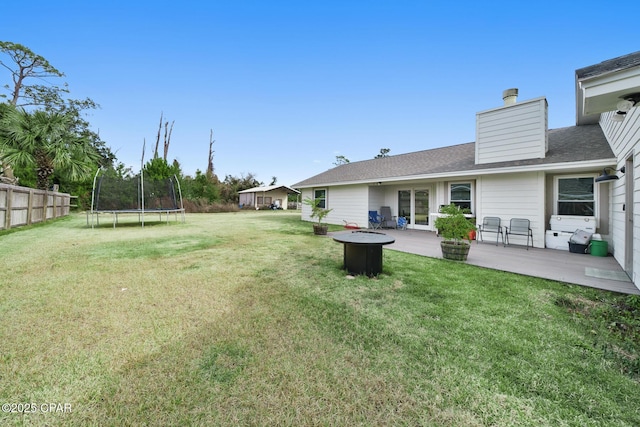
x,y
517,168
265,197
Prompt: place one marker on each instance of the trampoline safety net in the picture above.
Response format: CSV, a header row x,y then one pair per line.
x,y
115,194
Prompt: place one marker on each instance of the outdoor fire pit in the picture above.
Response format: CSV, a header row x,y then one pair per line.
x,y
363,251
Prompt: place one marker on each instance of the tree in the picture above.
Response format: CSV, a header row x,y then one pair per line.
x,y
25,64
210,170
47,142
232,185
201,186
384,152
274,180
158,169
167,138
82,128
6,171
341,160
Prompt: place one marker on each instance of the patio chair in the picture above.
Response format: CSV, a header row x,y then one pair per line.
x,y
519,227
375,220
491,224
388,221
401,223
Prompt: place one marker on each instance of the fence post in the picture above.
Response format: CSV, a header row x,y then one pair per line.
x,y
30,207
7,215
45,203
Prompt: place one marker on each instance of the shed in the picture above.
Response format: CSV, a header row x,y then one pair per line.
x,y
272,196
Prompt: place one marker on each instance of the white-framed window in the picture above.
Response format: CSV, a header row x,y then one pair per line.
x,y
575,195
461,194
321,193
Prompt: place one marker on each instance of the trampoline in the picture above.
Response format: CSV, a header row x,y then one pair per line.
x,y
137,195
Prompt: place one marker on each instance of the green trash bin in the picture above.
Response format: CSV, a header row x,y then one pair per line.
x,y
599,248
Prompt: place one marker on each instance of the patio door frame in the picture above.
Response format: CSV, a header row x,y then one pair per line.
x,y
412,209
628,216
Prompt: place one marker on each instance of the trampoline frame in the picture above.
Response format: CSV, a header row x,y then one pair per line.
x,y
95,214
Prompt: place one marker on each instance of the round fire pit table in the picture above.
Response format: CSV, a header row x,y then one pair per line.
x,y
363,251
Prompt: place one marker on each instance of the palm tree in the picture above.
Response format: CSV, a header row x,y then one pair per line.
x,y
44,140
6,173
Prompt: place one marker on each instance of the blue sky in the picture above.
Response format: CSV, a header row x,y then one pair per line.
x,y
287,86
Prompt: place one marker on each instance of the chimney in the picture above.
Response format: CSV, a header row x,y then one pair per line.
x,y
510,96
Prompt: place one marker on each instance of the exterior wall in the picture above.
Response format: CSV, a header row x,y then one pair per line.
x,y
306,193
512,132
247,199
624,138
377,198
391,199
278,195
348,203
603,202
517,195
251,199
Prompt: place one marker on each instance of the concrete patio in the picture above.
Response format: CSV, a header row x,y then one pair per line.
x,y
563,266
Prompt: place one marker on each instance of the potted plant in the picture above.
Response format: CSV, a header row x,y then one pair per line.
x,y
454,227
318,212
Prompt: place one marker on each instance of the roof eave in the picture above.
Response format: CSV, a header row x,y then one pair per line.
x,y
550,167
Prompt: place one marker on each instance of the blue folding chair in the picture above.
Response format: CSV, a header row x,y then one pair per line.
x,y
375,220
401,223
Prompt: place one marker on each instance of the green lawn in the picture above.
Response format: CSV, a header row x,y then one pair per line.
x,y
247,319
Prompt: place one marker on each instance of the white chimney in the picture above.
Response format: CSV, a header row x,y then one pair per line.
x,y
510,96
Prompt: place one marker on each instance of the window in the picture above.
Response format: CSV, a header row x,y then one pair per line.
x,y
460,195
322,195
576,196
264,200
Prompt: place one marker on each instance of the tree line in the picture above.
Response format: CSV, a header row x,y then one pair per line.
x,y
45,139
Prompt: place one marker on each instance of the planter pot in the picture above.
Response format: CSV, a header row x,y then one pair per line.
x,y
455,251
320,230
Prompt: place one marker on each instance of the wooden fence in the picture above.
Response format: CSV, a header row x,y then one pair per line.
x,y
23,206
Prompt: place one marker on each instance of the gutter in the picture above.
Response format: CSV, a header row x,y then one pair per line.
x,y
552,167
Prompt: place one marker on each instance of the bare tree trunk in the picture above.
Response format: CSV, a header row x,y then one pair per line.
x,y
155,152
167,139
210,165
7,170
17,86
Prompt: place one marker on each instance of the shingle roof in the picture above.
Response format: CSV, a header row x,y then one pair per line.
x,y
570,144
269,188
615,64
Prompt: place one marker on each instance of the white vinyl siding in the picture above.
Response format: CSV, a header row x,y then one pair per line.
x,y
377,198
513,196
513,132
624,138
348,203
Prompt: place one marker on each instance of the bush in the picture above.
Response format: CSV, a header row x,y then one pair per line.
x,y
204,206
454,225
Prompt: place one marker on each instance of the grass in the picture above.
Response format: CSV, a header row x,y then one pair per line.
x,y
247,319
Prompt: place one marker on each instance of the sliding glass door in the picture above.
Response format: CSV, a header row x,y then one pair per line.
x,y
421,203
414,205
404,205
